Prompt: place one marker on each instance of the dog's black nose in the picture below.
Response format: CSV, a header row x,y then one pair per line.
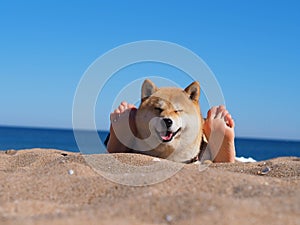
x,y
168,122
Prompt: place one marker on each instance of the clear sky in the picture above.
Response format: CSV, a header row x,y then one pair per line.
x,y
252,47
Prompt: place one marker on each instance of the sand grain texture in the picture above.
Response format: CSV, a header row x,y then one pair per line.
x,y
42,186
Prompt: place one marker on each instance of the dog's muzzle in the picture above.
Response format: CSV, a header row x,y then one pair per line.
x,y
167,135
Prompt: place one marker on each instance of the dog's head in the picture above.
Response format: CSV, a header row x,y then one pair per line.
x,y
172,117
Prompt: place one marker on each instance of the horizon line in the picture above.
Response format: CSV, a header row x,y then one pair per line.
x,y
105,130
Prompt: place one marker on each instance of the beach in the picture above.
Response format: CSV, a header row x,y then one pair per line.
x,y
48,186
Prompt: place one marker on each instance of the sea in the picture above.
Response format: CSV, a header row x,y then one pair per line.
x,y
26,138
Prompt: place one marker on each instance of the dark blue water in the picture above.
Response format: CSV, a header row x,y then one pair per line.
x,y
24,138
261,149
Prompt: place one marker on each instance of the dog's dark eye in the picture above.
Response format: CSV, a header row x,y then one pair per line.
x,y
158,109
178,111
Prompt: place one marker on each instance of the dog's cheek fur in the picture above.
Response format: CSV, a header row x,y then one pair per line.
x,y
177,123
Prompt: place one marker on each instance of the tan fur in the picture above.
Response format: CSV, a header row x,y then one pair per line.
x,y
180,108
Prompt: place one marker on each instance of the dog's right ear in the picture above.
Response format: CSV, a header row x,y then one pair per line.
x,y
148,88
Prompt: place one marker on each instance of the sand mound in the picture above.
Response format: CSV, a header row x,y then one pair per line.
x,y
43,186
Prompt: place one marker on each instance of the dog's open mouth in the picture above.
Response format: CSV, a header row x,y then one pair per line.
x,y
167,136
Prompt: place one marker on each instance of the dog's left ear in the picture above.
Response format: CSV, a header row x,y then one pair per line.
x,y
148,88
193,90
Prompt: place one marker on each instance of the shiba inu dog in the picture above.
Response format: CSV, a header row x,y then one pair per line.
x,y
169,123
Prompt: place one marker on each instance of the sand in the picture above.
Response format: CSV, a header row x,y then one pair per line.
x,y
44,186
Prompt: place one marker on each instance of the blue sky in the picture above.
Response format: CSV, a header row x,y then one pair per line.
x,y
252,47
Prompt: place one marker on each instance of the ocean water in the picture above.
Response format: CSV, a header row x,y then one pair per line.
x,y
63,139
26,138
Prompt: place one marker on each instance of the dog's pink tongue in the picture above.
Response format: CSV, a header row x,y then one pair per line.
x,y
167,137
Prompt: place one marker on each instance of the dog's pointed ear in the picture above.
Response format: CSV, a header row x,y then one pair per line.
x,y
148,88
193,90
